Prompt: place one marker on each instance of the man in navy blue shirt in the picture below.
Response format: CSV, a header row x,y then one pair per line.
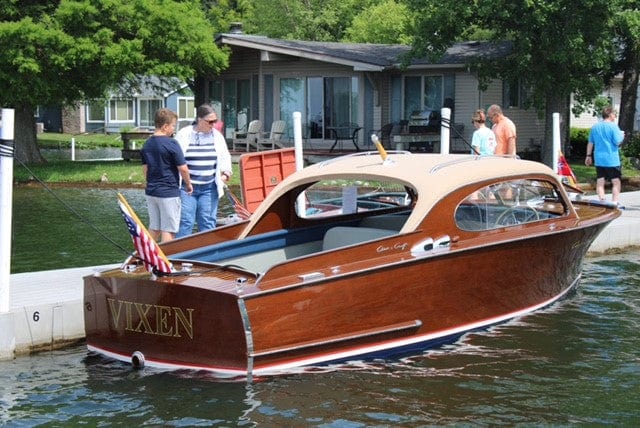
x,y
163,164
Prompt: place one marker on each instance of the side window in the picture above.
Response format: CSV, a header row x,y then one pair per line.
x,y
510,203
339,197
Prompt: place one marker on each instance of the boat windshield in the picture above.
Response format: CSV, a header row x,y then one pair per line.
x,y
341,197
510,203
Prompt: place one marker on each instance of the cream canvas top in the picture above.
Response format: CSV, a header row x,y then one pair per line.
x,y
433,176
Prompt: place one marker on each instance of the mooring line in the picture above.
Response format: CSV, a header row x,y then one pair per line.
x,y
73,210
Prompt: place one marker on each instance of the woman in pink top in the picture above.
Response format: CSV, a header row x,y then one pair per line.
x,y
504,129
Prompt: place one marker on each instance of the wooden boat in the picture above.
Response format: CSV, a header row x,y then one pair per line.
x,y
350,259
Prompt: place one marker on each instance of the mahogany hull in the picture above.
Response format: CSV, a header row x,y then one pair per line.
x,y
394,308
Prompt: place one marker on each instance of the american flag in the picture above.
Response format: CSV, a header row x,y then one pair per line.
x,y
238,207
148,250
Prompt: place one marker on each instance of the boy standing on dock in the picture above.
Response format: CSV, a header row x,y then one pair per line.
x,y
163,164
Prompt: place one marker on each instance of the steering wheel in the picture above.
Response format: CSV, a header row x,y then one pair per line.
x,y
516,215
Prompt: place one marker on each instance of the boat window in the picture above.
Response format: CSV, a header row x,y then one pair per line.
x,y
510,203
341,197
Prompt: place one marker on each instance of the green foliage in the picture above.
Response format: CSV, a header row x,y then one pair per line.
x,y
326,20
547,36
62,52
578,139
631,148
387,22
81,49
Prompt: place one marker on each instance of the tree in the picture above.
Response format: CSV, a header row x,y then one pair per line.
x,y
560,47
387,22
61,53
315,20
628,31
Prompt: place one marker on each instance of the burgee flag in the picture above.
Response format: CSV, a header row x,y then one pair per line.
x,y
148,250
565,172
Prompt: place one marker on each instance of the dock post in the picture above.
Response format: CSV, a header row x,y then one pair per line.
x,y
556,141
445,131
297,141
7,331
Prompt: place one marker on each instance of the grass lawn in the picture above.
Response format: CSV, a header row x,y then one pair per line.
x,y
52,140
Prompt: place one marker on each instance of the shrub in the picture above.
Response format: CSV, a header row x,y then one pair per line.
x,y
631,147
578,139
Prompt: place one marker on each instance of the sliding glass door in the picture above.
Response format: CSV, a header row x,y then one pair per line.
x,y
324,102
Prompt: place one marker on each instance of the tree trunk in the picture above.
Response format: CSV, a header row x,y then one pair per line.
x,y
199,89
556,103
26,144
629,93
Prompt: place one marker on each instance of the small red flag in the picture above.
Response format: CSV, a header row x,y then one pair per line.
x,y
565,172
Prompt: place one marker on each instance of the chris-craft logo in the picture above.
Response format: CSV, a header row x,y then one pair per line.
x,y
151,319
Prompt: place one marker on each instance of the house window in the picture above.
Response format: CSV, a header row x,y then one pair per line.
x,y
514,94
186,109
422,93
148,110
96,111
120,110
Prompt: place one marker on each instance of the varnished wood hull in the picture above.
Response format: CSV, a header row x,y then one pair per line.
x,y
392,308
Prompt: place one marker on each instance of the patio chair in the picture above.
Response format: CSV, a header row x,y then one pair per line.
x,y
345,132
273,138
250,139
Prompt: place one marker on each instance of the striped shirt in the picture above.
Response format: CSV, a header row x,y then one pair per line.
x,y
202,158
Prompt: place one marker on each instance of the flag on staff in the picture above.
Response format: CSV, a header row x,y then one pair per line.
x,y
148,250
239,209
565,172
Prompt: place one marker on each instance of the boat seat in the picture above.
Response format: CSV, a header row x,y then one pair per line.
x,y
385,221
341,236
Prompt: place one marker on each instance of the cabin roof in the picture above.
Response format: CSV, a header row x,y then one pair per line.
x,y
433,176
367,56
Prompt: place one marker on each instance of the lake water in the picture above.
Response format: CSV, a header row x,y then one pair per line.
x,y
65,228
575,363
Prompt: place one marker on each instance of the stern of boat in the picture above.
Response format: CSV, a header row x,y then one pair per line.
x,y
163,323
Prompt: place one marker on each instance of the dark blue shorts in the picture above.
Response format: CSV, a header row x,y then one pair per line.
x,y
608,172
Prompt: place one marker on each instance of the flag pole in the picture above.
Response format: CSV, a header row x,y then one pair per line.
x,y
144,229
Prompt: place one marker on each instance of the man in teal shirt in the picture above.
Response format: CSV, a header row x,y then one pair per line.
x,y
602,151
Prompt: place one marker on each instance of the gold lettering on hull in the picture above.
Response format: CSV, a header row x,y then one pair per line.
x,y
144,318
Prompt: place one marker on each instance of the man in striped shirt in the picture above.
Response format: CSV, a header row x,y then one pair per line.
x,y
209,162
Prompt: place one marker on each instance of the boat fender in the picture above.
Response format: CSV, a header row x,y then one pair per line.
x,y
137,360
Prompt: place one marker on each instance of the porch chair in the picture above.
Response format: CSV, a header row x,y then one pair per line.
x,y
274,137
345,132
249,140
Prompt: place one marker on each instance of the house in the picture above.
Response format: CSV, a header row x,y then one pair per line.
x,y
127,108
613,93
332,84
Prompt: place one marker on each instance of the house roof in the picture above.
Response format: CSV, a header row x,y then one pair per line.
x,y
365,56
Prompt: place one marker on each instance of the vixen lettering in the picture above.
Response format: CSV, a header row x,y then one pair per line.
x,y
151,319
